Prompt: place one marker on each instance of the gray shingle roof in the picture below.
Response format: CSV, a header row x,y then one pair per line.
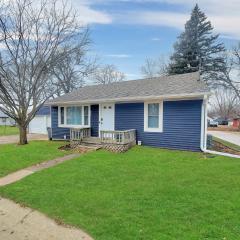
x,y
184,84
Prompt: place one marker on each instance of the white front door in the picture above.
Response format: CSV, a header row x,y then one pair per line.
x,y
106,116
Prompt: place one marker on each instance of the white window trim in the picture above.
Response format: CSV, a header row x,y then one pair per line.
x,y
65,125
160,128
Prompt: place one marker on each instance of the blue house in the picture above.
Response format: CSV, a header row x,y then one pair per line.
x,y
168,112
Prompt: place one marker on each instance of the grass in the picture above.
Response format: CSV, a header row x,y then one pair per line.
x,y
226,143
145,193
14,157
8,130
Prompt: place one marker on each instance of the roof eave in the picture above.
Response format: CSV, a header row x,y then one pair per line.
x,y
131,99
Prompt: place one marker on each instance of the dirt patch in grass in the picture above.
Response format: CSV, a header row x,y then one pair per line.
x,y
78,149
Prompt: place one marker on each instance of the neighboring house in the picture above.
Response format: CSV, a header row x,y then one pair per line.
x,y
222,121
6,120
41,121
167,112
236,122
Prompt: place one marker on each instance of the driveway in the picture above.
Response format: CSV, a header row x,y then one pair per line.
x,y
20,223
232,137
15,138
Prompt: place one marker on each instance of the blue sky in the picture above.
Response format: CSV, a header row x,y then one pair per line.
x,y
125,33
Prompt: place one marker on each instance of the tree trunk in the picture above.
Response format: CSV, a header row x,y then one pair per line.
x,y
23,135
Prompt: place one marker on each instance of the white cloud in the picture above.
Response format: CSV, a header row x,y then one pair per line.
x,y
224,15
86,14
118,55
158,18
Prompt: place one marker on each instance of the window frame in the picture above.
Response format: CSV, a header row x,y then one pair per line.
x,y
160,123
65,125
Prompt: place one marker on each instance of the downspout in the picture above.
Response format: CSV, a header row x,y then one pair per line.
x,y
203,144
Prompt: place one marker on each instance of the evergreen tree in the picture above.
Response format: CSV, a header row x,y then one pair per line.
x,y
197,48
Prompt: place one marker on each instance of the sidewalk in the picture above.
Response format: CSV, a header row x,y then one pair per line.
x,y
16,176
20,223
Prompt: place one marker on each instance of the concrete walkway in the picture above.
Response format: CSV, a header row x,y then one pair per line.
x,y
19,223
232,137
16,176
15,138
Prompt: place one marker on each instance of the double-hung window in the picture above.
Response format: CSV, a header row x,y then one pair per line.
x,y
74,116
61,115
153,116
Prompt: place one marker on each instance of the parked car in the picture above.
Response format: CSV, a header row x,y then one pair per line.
x,y
212,123
222,121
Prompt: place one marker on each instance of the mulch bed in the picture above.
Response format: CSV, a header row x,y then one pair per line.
x,y
78,149
219,147
66,148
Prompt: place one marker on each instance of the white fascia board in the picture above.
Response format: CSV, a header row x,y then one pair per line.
x,y
134,99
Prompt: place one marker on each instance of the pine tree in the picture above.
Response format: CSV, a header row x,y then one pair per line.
x,y
197,48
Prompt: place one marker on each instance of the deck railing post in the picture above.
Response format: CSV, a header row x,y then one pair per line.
x,y
118,137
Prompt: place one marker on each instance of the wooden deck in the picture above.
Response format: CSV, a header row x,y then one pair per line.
x,y
106,137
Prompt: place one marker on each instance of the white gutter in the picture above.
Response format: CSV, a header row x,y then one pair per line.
x,y
203,144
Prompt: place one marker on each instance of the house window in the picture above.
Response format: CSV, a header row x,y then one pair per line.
x,y
62,115
86,117
74,116
153,116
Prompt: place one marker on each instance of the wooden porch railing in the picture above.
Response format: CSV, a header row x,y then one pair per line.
x,y
118,137
77,134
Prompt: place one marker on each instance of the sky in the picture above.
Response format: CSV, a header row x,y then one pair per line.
x,y
125,33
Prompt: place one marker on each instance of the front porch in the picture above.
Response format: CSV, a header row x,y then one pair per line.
x,y
116,141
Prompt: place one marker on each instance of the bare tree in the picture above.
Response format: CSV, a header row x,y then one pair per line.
x,y
108,74
71,73
154,67
230,77
224,103
32,35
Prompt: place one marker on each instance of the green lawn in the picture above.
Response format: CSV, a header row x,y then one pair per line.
x,y
7,130
14,157
145,193
226,143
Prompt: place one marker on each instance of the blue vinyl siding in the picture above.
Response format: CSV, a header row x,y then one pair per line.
x,y
94,120
181,124
57,132
44,110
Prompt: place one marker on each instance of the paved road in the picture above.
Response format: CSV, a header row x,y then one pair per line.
x,y
20,223
15,138
233,137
